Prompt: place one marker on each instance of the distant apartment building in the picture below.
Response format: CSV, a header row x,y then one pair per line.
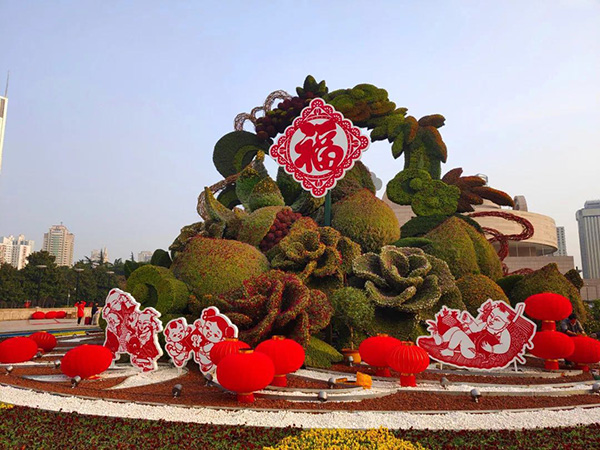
x,y
588,222
96,255
60,243
15,251
561,242
3,107
144,256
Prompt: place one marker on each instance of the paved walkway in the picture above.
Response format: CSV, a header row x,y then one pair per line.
x,y
54,326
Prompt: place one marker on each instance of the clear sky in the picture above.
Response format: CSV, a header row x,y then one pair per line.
x,y
114,107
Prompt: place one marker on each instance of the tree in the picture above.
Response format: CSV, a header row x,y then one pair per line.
x,y
11,288
42,282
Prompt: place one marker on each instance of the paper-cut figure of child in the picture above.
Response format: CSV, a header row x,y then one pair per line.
x,y
210,329
177,341
489,334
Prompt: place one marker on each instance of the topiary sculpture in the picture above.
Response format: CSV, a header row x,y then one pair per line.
x,y
320,257
157,287
406,286
366,220
473,190
477,289
275,303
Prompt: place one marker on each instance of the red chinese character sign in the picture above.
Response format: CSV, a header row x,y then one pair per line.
x,y
131,330
498,336
182,341
319,147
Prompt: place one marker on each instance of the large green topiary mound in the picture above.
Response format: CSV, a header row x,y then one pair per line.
x,y
366,220
464,249
215,266
477,289
157,287
548,279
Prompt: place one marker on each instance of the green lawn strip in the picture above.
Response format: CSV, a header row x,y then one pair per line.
x,y
22,427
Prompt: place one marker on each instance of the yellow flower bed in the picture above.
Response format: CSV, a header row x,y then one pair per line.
x,y
342,439
6,406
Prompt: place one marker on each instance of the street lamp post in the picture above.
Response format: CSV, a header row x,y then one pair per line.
x,y
41,267
77,287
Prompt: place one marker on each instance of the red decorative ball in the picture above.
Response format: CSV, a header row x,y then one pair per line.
x,y
408,359
38,315
17,350
45,341
51,315
375,351
86,361
61,314
245,372
226,347
548,306
587,351
287,356
551,346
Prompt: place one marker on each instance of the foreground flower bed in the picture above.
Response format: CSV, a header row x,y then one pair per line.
x,y
22,427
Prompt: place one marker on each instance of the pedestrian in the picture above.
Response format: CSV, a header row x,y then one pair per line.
x,y
571,326
95,314
80,311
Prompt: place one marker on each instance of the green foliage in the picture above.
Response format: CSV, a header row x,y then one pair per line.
x,y
297,198
11,290
548,279
406,184
352,311
161,258
157,287
464,249
320,354
421,225
412,242
406,286
477,289
186,233
366,220
508,282
265,193
311,88
592,325
215,266
255,226
362,104
575,279
235,150
275,303
357,178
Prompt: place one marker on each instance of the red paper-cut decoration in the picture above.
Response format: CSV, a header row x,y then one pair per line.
x,y
548,307
375,351
38,315
287,356
586,351
17,350
221,349
44,340
86,361
51,315
131,331
183,340
319,147
244,373
552,346
497,337
408,359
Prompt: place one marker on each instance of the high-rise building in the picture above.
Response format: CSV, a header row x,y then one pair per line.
x,y
59,242
588,221
97,254
561,242
144,256
15,251
3,108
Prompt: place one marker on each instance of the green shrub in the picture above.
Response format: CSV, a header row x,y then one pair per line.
x,y
421,225
508,282
320,354
157,287
161,258
477,289
575,279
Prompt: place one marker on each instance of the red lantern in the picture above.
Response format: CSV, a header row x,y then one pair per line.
x,y
86,361
45,341
61,314
552,346
587,351
38,315
51,315
375,351
226,347
287,356
245,372
408,359
548,307
17,350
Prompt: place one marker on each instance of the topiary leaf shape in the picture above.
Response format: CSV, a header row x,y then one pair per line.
x,y
265,193
419,266
427,296
368,267
235,150
382,298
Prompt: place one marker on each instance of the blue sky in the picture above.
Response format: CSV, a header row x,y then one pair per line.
x,y
114,107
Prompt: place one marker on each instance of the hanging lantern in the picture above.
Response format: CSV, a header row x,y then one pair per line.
x,y
375,351
408,359
50,315
245,372
548,307
552,346
287,356
45,341
226,347
587,351
38,315
86,361
17,350
61,314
